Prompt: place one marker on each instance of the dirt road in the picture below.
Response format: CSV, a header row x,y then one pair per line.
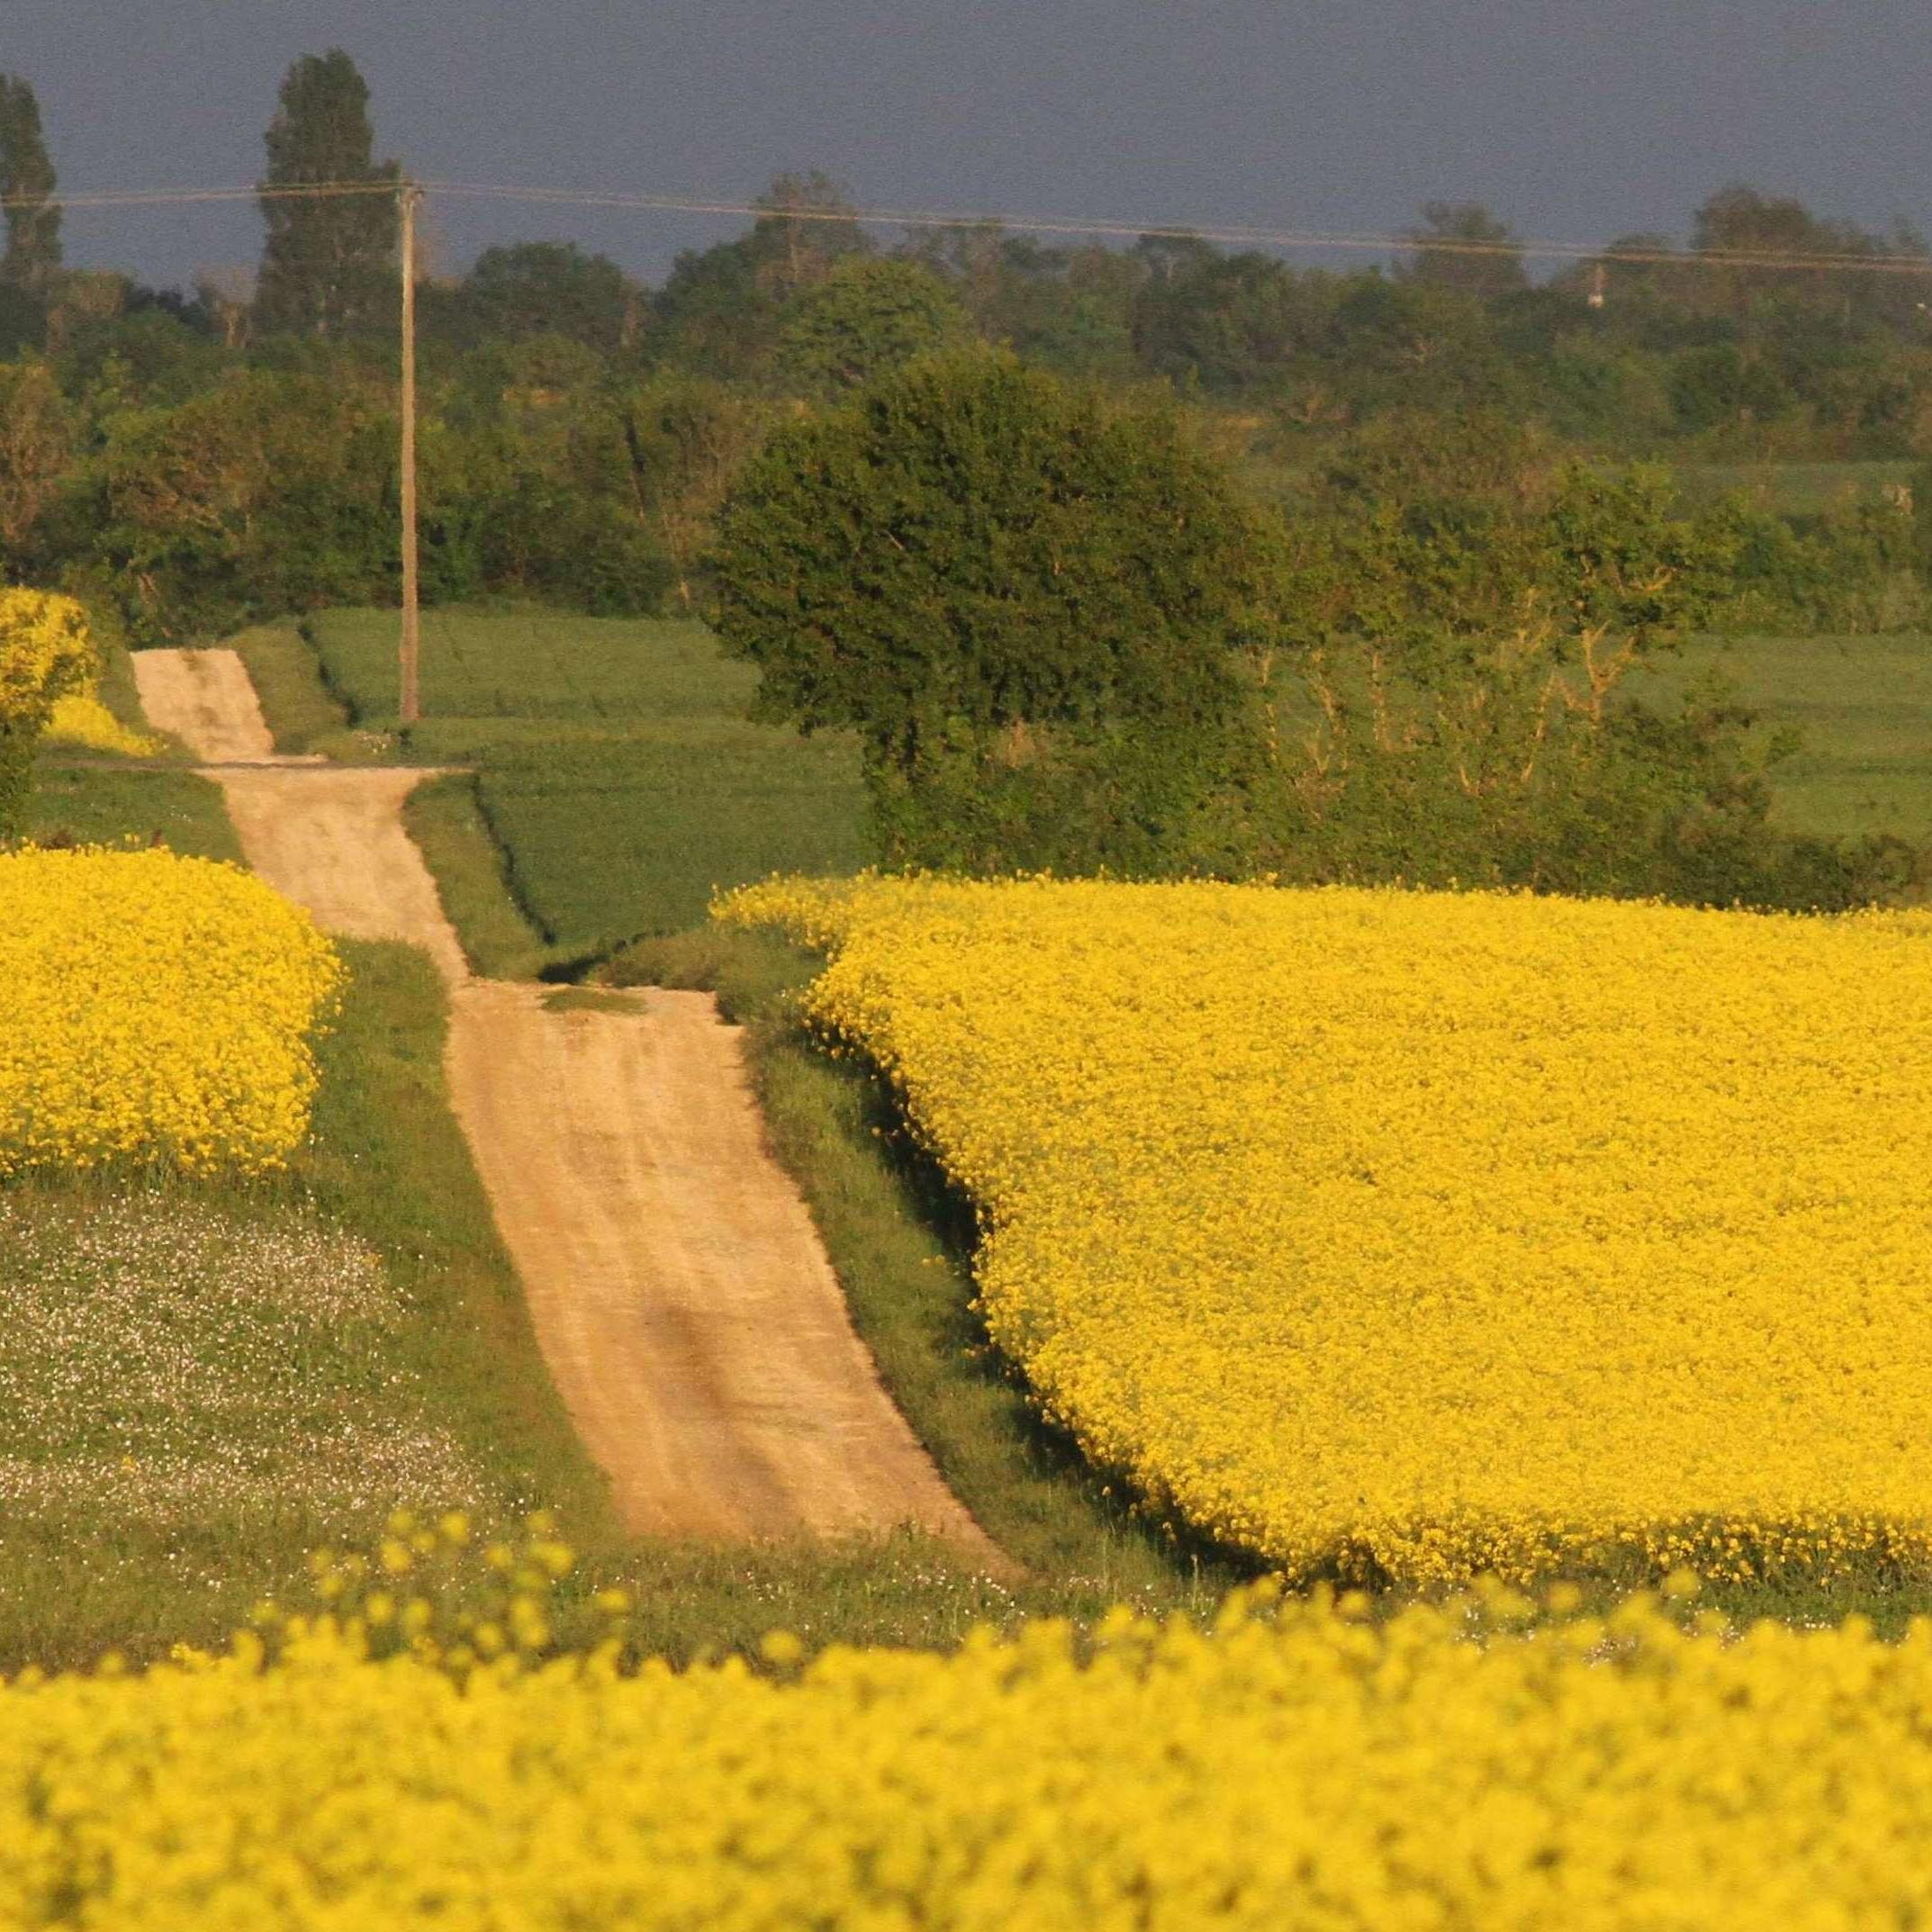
x,y
678,1286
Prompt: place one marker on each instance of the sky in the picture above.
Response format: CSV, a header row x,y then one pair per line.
x,y
1574,122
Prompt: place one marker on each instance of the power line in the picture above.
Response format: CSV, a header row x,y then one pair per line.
x,y
1381,243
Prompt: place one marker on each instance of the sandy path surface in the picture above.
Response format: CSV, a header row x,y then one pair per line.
x,y
205,697
678,1286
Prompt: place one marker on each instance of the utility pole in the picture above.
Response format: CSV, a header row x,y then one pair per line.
x,y
409,708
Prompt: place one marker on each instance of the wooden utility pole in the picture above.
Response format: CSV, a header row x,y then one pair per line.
x,y
409,708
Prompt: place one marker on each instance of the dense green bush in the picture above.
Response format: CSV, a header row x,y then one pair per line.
x,y
272,492
1018,598
1005,586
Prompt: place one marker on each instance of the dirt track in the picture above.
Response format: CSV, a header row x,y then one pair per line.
x,y
678,1288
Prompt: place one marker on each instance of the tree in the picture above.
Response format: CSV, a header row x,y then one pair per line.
x,y
265,494
530,288
809,224
1754,246
689,440
27,183
866,316
1020,597
1452,689
328,263
1462,245
36,446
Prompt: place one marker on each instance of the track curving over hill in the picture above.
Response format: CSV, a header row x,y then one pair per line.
x,y
678,1288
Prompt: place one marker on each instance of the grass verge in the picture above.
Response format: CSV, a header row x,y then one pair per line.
x,y
298,708
443,818
91,801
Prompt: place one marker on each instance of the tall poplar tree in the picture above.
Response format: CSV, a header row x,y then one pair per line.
x,y
329,265
27,183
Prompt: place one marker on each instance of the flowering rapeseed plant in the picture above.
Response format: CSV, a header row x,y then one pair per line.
x,y
80,718
46,654
1425,1235
155,1009
1299,1769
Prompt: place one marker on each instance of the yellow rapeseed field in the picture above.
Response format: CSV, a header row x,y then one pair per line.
x,y
154,1009
80,719
1425,1235
1305,1772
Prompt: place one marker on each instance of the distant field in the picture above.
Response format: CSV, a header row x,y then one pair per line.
x,y
1864,705
614,764
1792,486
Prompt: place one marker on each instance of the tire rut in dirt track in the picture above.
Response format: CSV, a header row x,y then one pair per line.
x,y
678,1288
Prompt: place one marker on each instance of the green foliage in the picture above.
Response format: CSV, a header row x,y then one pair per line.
x,y
544,288
1445,691
867,317
27,185
1462,245
982,569
1419,669
529,486
329,265
271,493
720,312
688,439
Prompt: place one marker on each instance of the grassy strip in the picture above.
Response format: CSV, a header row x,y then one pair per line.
x,y
901,1244
117,689
92,801
443,817
297,706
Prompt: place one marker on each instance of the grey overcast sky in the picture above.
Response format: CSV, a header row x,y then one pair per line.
x,y
1574,121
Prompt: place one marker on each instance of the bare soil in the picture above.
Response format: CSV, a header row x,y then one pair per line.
x,y
679,1289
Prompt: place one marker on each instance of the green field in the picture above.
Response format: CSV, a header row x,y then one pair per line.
x,y
1863,707
1795,487
612,761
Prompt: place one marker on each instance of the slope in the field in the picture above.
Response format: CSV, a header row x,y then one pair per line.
x,y
679,1289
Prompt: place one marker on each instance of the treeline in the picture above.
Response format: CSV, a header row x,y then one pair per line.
x,y
191,459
